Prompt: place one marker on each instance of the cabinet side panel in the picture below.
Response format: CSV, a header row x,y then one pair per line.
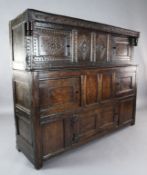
x,y
22,108
18,46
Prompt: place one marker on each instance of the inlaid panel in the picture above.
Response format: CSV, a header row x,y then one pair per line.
x,y
51,44
101,47
58,95
84,45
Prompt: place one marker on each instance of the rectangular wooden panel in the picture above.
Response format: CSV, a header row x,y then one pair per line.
x,y
18,48
84,45
84,125
51,43
24,129
108,118
101,46
91,89
58,95
106,89
126,110
125,83
121,50
52,137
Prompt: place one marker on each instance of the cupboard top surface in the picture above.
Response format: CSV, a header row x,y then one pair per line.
x,y
35,15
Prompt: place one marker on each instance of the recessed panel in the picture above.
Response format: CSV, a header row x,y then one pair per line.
x,y
53,137
58,95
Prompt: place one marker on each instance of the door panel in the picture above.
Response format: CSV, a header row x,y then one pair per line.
x,y
126,110
84,125
120,49
58,95
125,83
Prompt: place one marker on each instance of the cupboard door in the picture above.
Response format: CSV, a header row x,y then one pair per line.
x,y
126,110
120,49
106,85
108,118
59,94
125,83
52,46
84,125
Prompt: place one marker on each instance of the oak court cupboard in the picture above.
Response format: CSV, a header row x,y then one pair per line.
x,y
73,81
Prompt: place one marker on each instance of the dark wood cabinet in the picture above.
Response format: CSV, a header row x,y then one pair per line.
x,y
73,80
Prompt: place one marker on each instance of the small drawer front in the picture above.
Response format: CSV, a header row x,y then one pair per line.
x,y
59,94
125,83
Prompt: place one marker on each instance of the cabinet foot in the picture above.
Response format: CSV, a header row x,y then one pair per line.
x,y
132,123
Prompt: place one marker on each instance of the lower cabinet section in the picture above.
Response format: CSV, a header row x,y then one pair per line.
x,y
62,131
76,128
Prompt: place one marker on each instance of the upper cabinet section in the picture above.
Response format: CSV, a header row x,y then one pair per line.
x,y
43,41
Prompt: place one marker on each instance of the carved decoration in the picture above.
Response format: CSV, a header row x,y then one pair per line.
x,y
84,45
101,47
53,44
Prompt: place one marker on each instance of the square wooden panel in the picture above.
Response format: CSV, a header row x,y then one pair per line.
x,y
57,95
